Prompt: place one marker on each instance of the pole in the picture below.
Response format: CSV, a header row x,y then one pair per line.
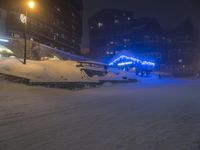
x,y
25,35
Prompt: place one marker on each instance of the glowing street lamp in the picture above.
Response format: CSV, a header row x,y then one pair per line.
x,y
31,5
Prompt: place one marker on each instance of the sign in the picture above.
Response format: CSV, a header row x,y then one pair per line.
x,y
23,18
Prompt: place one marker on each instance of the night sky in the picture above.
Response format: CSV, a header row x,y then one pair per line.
x,y
169,12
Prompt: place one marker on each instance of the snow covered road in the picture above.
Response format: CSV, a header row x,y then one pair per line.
x,y
151,115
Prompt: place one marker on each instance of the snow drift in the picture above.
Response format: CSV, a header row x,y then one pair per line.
x,y
53,71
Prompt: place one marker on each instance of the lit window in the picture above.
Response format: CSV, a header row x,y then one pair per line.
x,y
58,9
111,42
100,24
116,52
116,21
54,37
15,35
163,38
91,27
109,53
146,36
126,40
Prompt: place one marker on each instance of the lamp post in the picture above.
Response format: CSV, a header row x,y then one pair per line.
x,y
30,5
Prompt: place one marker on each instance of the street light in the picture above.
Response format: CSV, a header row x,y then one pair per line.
x,y
31,5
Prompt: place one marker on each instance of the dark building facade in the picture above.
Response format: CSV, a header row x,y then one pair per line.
x,y
113,31
107,29
56,23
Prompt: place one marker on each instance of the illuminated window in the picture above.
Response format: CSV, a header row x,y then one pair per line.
x,y
163,38
116,52
116,21
54,37
109,53
58,9
100,24
112,42
16,35
126,40
146,36
91,27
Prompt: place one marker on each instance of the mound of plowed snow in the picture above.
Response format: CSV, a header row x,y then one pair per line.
x,y
45,71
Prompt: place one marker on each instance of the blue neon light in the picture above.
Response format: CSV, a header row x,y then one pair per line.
x,y
130,60
125,63
3,40
148,63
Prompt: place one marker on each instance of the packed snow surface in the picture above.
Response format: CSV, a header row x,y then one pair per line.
x,y
150,115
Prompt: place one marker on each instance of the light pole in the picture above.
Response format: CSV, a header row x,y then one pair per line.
x,y
30,5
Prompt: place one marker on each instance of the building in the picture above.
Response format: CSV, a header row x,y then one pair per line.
x,y
106,29
113,31
56,23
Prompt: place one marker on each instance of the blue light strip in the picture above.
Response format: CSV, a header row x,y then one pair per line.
x,y
130,60
124,57
148,63
4,40
125,63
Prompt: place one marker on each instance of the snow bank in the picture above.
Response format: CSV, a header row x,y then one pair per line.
x,y
45,71
56,71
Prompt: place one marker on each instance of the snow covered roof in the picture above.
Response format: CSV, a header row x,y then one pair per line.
x,y
93,62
